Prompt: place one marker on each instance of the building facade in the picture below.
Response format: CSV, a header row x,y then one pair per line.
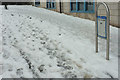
x,y
83,9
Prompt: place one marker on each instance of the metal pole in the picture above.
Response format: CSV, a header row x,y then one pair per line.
x,y
96,31
108,29
108,32
60,6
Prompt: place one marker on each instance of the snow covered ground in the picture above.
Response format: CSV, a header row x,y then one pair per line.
x,y
38,43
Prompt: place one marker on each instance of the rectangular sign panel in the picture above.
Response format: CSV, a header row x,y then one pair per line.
x,y
101,27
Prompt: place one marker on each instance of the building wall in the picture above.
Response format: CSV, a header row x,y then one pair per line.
x,y
114,11
66,7
43,3
0,3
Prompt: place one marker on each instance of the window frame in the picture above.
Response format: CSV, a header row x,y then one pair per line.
x,y
51,3
84,10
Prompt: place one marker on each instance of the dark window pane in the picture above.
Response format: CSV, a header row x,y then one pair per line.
x,y
53,5
50,3
89,6
37,2
47,4
80,6
73,6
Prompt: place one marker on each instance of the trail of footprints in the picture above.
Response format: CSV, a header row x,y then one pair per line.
x,y
45,43
36,34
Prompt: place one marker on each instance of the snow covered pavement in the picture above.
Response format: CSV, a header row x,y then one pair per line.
x,y
38,43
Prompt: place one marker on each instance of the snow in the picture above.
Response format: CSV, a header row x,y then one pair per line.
x,y
38,43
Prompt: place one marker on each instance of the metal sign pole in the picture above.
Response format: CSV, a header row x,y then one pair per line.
x,y
60,6
107,25
96,31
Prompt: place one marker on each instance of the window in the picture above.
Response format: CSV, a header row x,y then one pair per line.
x,y
37,2
80,6
83,6
51,4
73,5
89,6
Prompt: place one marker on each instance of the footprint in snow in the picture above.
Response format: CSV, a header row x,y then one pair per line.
x,y
41,68
63,65
19,71
7,67
82,60
69,74
6,54
60,34
12,14
30,18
